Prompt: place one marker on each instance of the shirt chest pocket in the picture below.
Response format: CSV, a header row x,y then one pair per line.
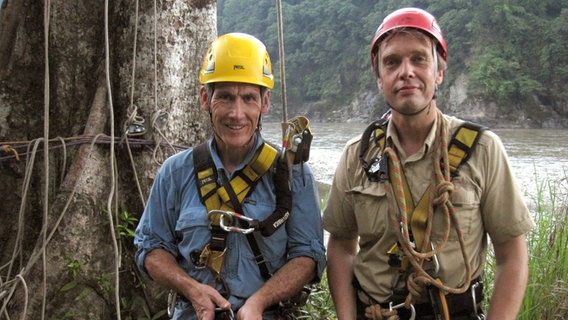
x,y
466,202
370,205
192,230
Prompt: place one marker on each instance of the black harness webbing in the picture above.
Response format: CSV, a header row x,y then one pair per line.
x,y
230,195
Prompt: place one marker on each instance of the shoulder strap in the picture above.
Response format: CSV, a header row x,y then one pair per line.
x,y
460,147
243,182
376,168
462,144
206,176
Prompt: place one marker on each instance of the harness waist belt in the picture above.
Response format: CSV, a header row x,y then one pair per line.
x,y
460,305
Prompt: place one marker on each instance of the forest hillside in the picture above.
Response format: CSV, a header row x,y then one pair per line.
x,y
508,60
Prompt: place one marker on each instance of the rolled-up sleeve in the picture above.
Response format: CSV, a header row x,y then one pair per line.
x,y
156,228
304,226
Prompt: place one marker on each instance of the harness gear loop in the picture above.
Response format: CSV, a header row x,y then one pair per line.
x,y
413,246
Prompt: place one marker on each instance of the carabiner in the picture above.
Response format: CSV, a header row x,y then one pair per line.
x,y
229,216
477,315
172,298
401,305
435,259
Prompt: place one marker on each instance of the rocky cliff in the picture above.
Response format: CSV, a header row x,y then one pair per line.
x,y
455,99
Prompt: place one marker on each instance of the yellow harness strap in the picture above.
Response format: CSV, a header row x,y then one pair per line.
x,y
241,184
217,198
462,144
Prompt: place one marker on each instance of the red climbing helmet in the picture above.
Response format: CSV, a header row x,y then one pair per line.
x,y
409,18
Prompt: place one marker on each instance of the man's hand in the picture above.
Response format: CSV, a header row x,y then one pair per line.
x,y
250,311
164,269
205,299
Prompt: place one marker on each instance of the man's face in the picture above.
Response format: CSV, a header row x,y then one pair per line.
x,y
408,74
235,110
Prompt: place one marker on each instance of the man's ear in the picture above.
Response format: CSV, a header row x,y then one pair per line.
x,y
440,77
204,99
265,102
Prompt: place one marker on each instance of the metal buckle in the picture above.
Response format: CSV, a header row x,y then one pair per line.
x,y
401,305
226,220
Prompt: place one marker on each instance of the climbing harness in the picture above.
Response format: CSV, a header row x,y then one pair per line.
x,y
414,222
224,202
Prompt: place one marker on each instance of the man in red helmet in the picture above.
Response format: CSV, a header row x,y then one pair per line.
x,y
408,230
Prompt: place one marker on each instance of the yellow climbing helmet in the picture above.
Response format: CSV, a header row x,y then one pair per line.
x,y
237,57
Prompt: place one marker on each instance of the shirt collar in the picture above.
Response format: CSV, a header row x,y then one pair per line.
x,y
392,138
259,141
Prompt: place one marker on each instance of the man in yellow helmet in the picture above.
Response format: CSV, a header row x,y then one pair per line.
x,y
204,232
409,233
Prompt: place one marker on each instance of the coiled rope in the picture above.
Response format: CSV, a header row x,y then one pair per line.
x,y
441,187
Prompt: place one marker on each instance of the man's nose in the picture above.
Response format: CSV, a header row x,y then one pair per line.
x,y
406,69
238,108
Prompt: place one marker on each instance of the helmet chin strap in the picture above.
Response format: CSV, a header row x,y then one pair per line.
x,y
435,55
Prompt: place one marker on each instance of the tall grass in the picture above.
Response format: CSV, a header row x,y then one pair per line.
x,y
547,292
546,297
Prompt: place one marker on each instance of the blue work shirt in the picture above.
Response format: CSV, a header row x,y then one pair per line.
x,y
175,219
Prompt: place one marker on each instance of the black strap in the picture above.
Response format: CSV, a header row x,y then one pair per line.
x,y
283,199
376,168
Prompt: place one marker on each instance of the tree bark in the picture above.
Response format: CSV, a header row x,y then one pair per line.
x,y
60,258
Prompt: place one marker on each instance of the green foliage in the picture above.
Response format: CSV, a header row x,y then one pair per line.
x,y
320,304
104,283
499,74
138,309
546,296
513,49
73,267
126,224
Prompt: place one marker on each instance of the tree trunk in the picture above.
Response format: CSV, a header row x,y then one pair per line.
x,y
120,97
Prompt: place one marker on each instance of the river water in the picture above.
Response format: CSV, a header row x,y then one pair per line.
x,y
536,155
